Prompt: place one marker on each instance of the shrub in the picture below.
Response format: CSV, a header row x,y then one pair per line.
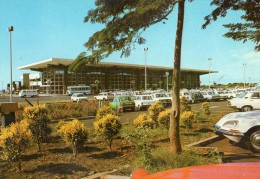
x,y
74,133
188,118
70,109
103,111
205,108
154,110
60,123
143,121
14,140
164,118
108,127
184,105
140,139
37,117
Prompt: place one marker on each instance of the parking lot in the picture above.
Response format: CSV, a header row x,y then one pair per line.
x,y
232,153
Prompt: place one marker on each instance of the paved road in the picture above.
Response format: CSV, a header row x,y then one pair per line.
x,y
235,153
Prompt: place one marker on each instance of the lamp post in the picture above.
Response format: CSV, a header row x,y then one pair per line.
x,y
11,29
167,74
209,59
244,64
145,75
97,82
160,82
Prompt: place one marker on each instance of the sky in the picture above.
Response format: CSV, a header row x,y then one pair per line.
x,y
55,29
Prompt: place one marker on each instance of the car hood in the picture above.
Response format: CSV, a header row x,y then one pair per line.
x,y
246,119
227,170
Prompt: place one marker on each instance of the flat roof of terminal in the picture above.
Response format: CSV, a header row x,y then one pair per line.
x,y
66,62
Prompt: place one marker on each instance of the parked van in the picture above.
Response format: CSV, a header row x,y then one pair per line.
x,y
28,93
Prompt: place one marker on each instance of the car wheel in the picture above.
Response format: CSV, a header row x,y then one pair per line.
x,y
253,141
246,108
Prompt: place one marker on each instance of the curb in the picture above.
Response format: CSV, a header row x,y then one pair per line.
x,y
205,142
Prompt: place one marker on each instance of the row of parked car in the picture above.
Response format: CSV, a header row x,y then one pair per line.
x,y
244,101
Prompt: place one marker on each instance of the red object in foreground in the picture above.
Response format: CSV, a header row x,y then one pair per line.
x,y
215,171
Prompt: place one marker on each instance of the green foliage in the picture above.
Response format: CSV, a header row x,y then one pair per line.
x,y
143,121
248,29
108,127
184,105
14,140
162,161
103,111
75,134
154,111
121,30
140,139
205,108
37,117
164,118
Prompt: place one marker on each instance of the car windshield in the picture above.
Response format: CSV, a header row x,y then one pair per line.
x,y
80,95
241,95
125,98
160,95
147,98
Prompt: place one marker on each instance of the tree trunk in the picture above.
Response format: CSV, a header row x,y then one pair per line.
x,y
174,130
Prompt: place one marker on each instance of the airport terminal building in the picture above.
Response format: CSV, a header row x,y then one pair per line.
x,y
54,78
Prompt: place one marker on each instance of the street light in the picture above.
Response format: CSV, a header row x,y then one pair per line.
x,y
145,75
249,81
209,59
97,82
160,82
244,64
11,29
167,74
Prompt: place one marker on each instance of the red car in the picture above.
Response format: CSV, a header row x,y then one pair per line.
x,y
214,171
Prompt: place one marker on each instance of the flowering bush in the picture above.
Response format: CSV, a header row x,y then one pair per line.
x,y
164,118
74,133
143,121
154,110
108,127
188,118
38,119
14,140
70,110
205,108
184,105
103,111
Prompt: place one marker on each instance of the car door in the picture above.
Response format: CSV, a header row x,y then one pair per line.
x,y
255,100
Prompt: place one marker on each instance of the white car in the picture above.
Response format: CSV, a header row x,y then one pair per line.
x,y
241,127
246,101
76,97
104,96
223,95
163,98
210,96
143,101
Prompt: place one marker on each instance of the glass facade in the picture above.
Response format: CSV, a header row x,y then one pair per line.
x,y
56,78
